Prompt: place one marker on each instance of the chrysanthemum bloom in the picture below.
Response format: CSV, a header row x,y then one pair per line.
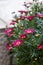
x,y
23,36
29,31
40,46
30,17
22,17
21,11
40,15
8,30
10,34
9,46
18,42
13,22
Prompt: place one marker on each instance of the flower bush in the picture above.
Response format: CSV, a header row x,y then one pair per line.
x,y
26,36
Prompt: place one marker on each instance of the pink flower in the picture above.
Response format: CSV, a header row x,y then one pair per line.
x,y
40,46
23,36
22,17
30,17
13,22
10,34
39,15
18,42
21,11
9,46
8,30
29,31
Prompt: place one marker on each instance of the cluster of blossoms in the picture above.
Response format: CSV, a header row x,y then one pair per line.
x,y
18,42
10,31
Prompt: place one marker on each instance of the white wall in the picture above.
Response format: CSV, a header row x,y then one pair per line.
x,y
8,6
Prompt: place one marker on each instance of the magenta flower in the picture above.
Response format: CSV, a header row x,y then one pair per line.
x,y
18,42
13,22
40,15
10,34
9,46
29,31
40,46
21,11
30,17
23,36
8,30
22,17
